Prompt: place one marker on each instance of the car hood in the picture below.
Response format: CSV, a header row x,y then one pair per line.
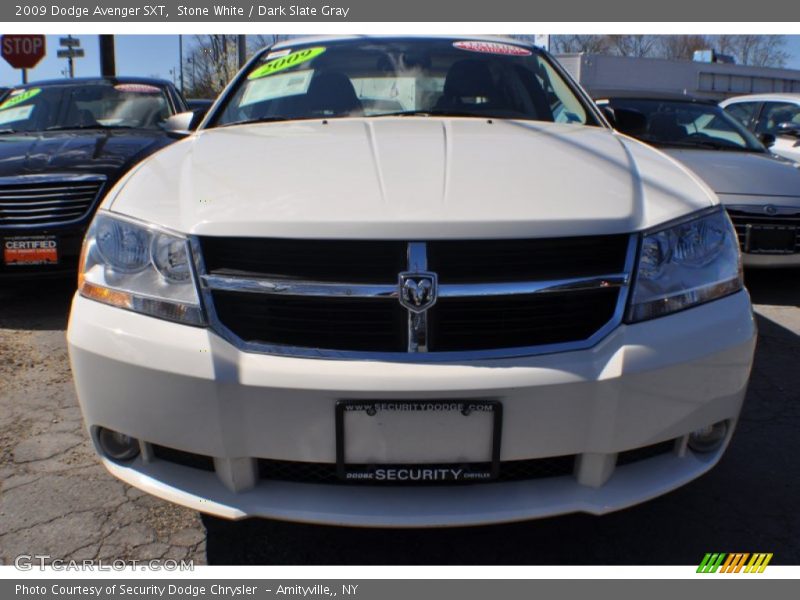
x,y
105,152
745,173
408,178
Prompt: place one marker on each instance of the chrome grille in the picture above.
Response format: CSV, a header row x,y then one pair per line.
x,y
532,297
35,201
745,217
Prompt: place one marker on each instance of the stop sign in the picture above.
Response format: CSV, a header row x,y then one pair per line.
x,y
22,51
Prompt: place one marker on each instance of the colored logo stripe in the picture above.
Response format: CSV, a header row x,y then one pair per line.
x,y
734,562
711,563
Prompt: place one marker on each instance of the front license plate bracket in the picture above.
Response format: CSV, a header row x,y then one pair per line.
x,y
419,472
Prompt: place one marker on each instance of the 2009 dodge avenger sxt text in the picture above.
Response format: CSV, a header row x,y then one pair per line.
x,y
409,256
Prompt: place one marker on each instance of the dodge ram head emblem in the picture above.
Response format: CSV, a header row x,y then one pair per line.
x,y
417,291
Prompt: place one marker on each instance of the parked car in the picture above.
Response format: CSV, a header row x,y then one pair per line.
x,y
483,306
773,114
760,191
63,144
199,106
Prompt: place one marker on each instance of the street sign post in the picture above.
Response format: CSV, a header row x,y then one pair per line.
x,y
23,51
72,52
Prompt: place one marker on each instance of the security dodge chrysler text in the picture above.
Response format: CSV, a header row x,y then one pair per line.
x,y
409,282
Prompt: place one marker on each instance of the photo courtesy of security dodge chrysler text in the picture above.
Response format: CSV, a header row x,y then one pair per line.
x,y
409,282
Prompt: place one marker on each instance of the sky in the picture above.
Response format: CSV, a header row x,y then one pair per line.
x,y
157,55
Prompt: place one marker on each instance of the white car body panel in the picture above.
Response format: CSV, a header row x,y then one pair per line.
x,y
408,178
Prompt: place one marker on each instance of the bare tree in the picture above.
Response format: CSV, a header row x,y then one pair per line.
x,y
758,50
212,61
633,45
591,44
681,47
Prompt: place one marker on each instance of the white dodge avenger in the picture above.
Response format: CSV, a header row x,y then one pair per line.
x,y
409,282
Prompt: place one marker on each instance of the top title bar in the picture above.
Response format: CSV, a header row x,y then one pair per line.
x,y
464,11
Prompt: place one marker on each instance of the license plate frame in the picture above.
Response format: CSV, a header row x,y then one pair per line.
x,y
757,236
475,471
32,256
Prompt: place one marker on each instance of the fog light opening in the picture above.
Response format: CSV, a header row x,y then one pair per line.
x,y
708,438
116,445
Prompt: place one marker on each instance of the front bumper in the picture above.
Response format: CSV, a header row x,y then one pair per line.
x,y
186,388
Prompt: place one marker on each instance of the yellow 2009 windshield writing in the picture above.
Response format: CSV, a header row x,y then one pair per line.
x,y
286,62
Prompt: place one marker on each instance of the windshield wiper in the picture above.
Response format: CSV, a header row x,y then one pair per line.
x,y
700,144
5,131
94,126
435,112
271,119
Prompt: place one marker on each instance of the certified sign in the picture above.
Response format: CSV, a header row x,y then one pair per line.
x,y
30,250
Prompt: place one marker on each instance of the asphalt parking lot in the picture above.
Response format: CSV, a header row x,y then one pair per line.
x,y
56,500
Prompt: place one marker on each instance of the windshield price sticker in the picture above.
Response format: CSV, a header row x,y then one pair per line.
x,y
492,48
286,62
20,97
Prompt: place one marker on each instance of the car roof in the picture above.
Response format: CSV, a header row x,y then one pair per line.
x,y
80,81
780,96
339,38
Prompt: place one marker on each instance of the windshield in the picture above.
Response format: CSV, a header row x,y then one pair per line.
x,y
93,105
373,78
690,124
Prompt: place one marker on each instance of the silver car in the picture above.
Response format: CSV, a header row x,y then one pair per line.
x,y
773,114
760,191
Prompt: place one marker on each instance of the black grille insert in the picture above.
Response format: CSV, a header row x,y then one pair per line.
x,y
489,322
314,260
471,261
638,454
358,324
185,459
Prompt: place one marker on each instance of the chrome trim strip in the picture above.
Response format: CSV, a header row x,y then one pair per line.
x,y
417,262
411,357
575,284
417,332
757,210
417,257
50,178
288,287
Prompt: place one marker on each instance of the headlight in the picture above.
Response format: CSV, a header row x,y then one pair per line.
x,y
141,268
684,264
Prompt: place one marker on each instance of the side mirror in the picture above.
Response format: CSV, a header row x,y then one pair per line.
x,y
608,113
767,139
183,123
789,129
